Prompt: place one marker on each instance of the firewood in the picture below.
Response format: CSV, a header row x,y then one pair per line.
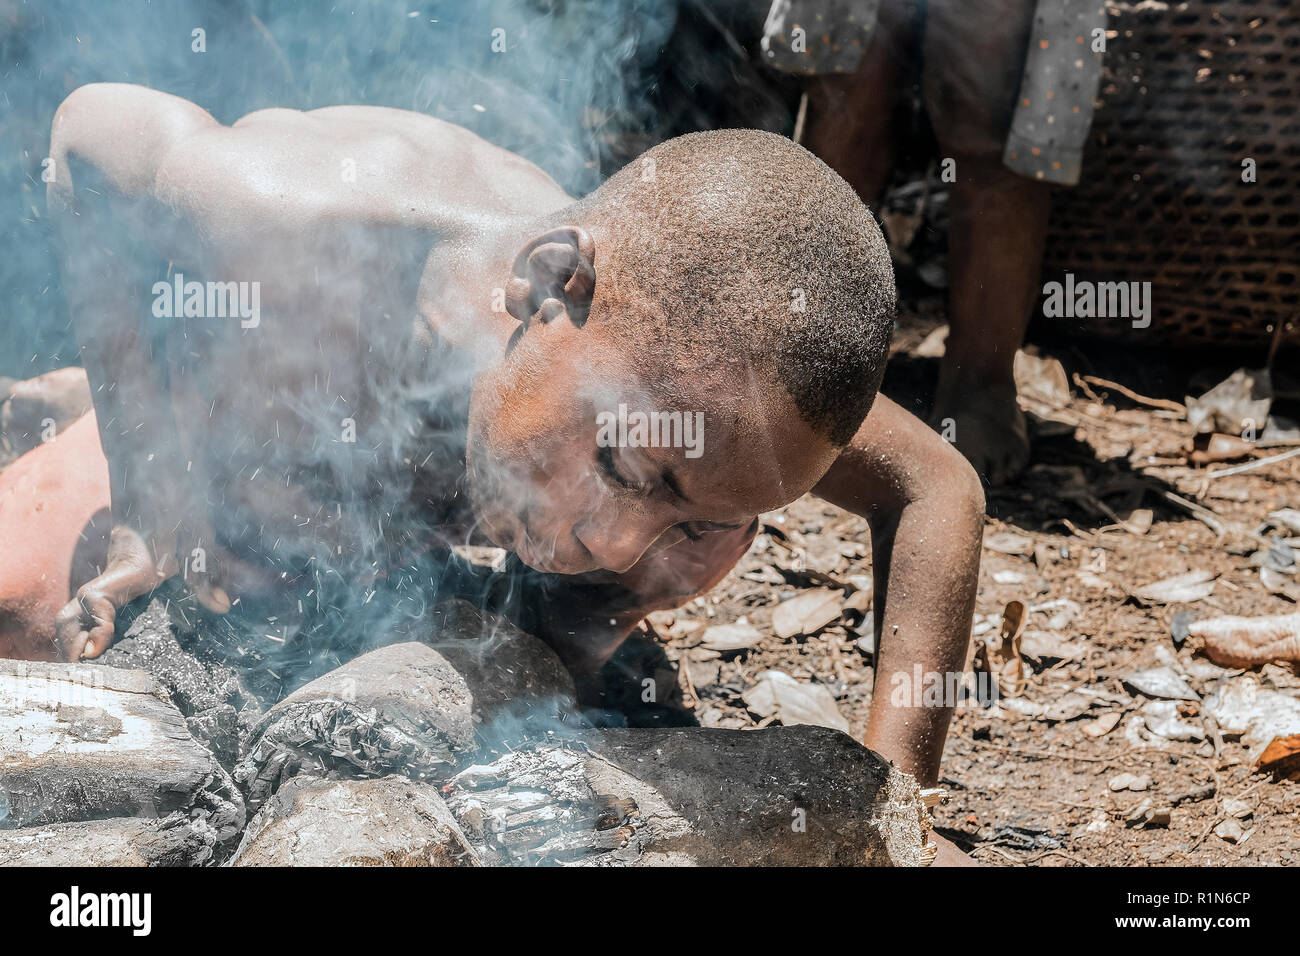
x,y
388,822
408,708
174,841
692,796
85,742
400,708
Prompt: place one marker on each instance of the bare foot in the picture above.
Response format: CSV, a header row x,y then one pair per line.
x,y
986,425
34,410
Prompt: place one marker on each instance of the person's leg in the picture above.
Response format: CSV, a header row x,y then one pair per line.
x,y
999,222
54,522
974,57
849,123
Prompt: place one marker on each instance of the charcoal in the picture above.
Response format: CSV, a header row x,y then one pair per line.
x,y
396,709
207,690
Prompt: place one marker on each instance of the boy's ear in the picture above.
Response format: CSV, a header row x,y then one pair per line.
x,y
554,274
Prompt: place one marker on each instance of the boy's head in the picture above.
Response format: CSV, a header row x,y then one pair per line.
x,y
699,338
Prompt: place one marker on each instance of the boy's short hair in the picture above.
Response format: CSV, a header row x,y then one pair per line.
x,y
743,245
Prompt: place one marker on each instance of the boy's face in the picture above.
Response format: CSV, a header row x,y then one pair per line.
x,y
582,456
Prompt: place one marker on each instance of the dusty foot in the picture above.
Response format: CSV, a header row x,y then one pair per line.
x,y
34,410
987,426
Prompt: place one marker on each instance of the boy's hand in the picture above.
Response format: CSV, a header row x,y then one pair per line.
x,y
164,535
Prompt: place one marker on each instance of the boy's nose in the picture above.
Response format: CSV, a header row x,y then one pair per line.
x,y
616,544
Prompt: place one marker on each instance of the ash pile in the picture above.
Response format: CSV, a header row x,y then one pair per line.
x,y
468,748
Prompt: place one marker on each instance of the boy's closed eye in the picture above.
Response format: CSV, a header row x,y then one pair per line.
x,y
629,473
645,486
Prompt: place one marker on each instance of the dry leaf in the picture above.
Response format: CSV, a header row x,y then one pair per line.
x,y
1241,707
1281,756
1249,641
1040,379
1161,682
859,601
1008,542
725,638
1102,725
1162,718
806,613
999,654
777,693
1044,646
1275,582
1139,521
933,345
1245,395
1180,589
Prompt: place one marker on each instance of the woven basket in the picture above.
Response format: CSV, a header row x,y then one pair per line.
x,y
1189,91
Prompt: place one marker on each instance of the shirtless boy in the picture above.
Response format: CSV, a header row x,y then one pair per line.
x,y
470,321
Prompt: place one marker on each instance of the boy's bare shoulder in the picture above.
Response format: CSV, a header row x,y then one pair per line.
x,y
279,171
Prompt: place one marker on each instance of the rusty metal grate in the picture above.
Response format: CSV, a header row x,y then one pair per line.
x,y
1189,91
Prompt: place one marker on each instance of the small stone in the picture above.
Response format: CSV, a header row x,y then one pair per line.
x,y
1229,831
1129,781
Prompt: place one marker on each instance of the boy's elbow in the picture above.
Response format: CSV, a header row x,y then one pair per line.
x,y
972,491
82,103
962,490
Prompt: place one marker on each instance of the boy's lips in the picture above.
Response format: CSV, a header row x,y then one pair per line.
x,y
524,549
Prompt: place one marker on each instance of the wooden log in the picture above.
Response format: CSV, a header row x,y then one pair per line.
x,y
396,709
805,795
509,672
85,742
408,708
389,822
175,841
207,690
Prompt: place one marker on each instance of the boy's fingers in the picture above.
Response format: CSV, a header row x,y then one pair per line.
x,y
207,583
97,640
84,628
214,599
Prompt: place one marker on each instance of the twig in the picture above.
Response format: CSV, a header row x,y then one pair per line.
x,y
1200,513
1058,852
801,119
1251,465
1129,393
993,847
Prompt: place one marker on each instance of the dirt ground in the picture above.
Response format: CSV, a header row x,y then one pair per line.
x,y
1029,777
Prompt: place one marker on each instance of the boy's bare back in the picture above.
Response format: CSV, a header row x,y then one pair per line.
x,y
333,214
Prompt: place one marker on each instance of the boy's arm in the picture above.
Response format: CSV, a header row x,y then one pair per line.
x,y
107,142
925,506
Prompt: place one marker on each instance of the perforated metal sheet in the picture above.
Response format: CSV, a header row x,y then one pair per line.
x,y
1189,91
